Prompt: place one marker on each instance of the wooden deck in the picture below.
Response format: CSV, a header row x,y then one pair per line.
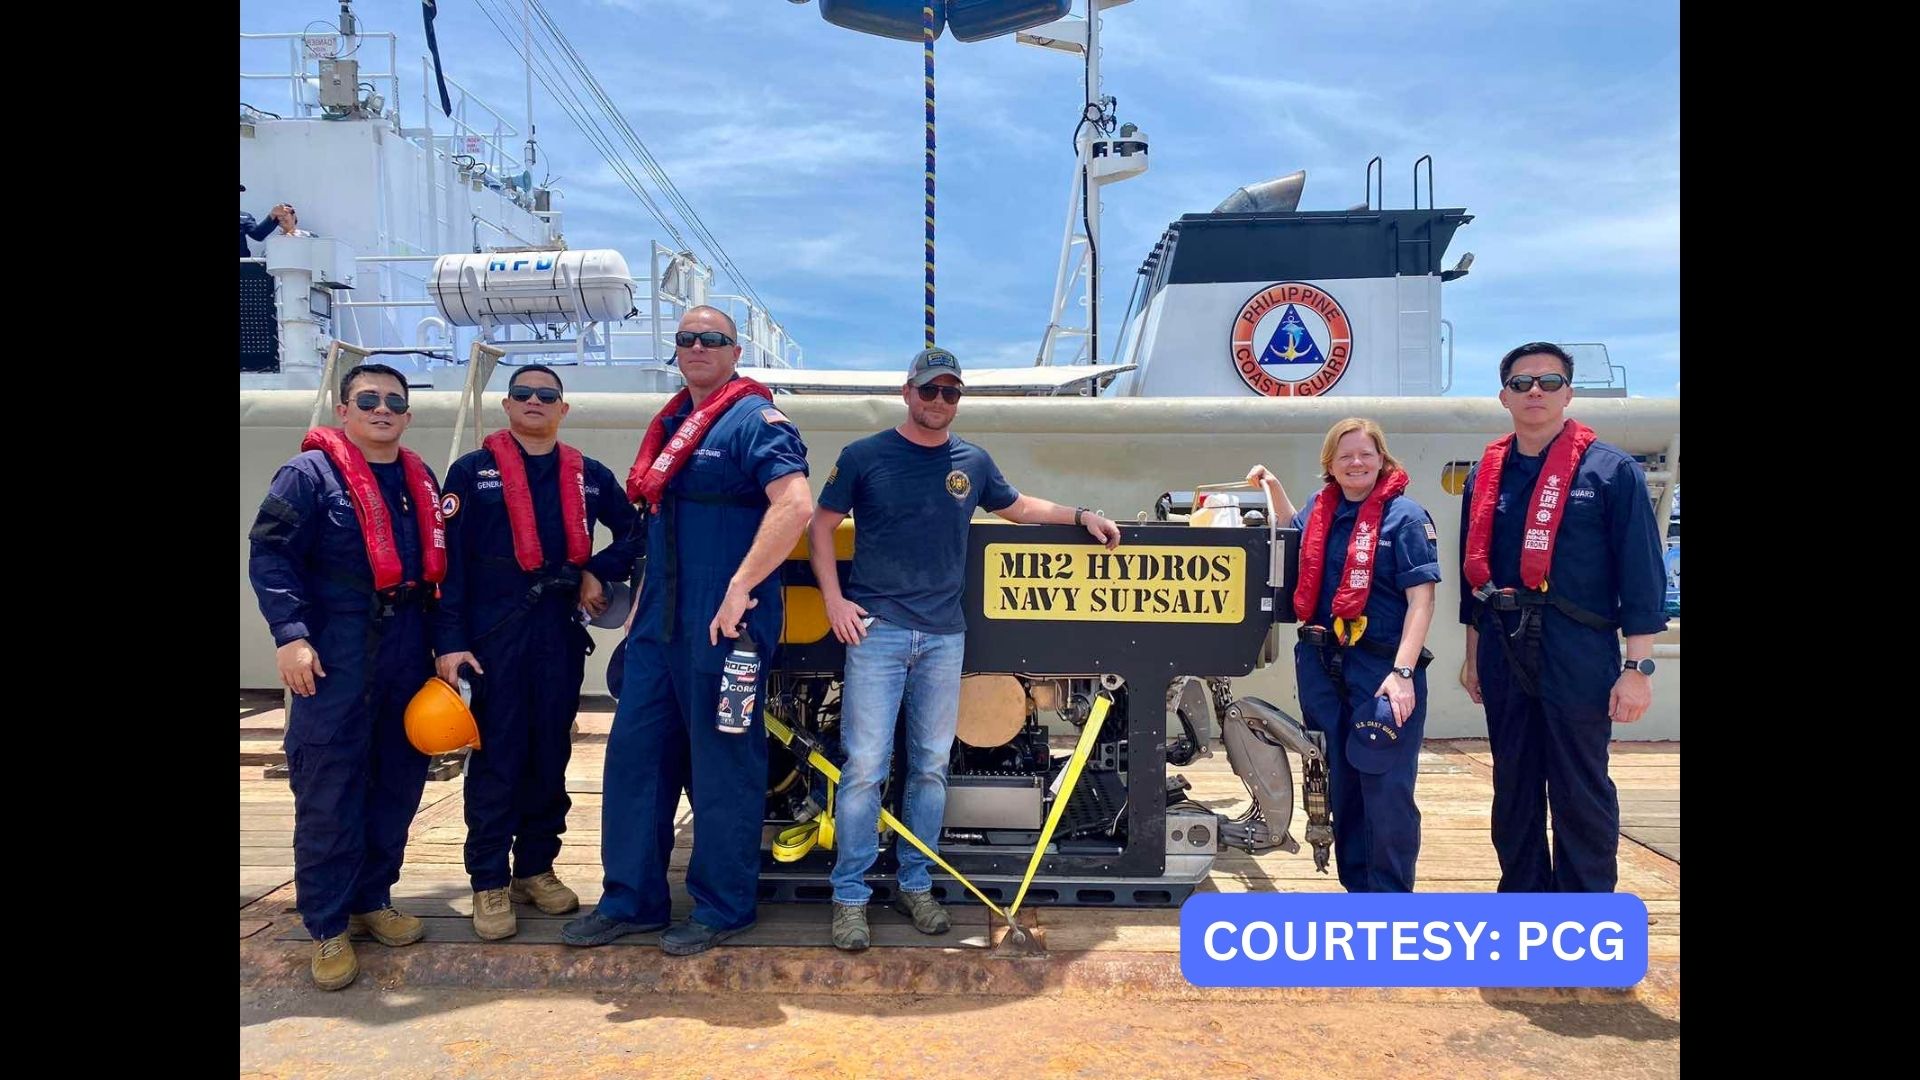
x,y
1455,794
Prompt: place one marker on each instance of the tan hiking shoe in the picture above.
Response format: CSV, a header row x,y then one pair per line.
x,y
493,917
544,891
334,965
388,927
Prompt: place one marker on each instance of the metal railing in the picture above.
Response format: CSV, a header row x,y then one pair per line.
x,y
478,147
1594,372
297,73
763,342
487,146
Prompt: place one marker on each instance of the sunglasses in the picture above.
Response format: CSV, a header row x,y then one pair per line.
x,y
712,339
547,394
1520,384
367,401
930,391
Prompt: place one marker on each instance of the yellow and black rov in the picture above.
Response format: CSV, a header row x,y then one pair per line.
x,y
1134,648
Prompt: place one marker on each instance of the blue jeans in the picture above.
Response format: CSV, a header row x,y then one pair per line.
x,y
890,664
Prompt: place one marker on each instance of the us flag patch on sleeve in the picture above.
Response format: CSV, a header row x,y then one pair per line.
x,y
774,416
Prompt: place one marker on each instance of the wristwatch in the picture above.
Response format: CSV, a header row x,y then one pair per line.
x,y
1077,512
1404,672
1644,667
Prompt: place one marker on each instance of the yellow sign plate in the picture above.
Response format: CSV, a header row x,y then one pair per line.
x,y
1088,583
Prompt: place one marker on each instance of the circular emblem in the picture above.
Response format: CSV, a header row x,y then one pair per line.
x,y
449,505
959,484
1291,339
1542,516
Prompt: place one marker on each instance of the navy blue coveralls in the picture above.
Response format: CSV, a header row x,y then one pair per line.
x,y
356,779
1548,724
522,628
1376,826
663,731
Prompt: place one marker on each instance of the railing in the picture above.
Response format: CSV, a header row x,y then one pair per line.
x,y
478,146
487,146
297,73
764,343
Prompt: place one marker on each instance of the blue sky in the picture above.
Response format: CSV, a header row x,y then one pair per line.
x,y
1555,124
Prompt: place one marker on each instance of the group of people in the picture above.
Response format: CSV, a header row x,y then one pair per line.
x,y
373,578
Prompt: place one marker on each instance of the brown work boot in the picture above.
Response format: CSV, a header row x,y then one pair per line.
x,y
545,892
388,927
334,965
493,917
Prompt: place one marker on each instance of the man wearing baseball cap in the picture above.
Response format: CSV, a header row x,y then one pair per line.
x,y
912,489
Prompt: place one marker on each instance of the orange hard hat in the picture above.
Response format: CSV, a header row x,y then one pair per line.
x,y
439,720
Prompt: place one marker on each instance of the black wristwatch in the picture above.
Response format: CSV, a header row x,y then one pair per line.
x,y
1404,672
1077,512
1644,667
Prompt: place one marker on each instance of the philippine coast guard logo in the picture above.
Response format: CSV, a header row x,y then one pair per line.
x,y
958,484
1292,340
449,505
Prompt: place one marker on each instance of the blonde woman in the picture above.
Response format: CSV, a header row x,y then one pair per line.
x,y
1364,598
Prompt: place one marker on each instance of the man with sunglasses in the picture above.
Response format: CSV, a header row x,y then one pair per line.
x,y
520,513
912,491
346,551
1561,558
721,478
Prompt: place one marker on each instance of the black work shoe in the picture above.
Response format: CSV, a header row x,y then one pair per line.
x,y
594,928
693,936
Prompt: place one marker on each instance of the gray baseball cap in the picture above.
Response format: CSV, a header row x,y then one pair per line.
x,y
930,364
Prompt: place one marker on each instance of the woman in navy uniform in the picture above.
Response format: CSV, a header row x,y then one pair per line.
x,y
1369,559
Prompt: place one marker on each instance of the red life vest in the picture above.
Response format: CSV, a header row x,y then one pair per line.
x,y
519,498
1544,515
383,551
1350,599
661,458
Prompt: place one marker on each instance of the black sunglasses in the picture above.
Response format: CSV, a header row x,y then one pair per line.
x,y
367,401
1520,384
930,391
712,339
547,394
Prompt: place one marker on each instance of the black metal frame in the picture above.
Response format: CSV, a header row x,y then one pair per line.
x,y
1148,656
